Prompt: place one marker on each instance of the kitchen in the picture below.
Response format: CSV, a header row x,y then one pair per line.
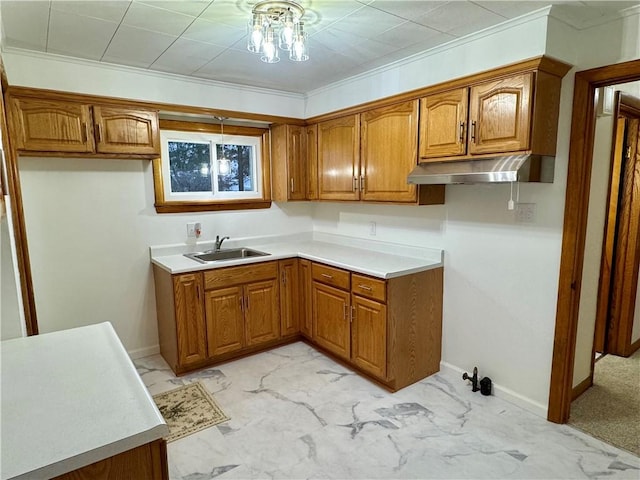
x,y
106,206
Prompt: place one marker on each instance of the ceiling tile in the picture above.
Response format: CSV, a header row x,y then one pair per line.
x,y
124,61
230,12
65,28
406,34
512,9
191,7
210,32
367,24
186,56
112,11
463,17
323,13
137,45
407,9
25,24
155,19
181,65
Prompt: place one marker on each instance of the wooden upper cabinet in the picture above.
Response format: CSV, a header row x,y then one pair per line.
x,y
123,130
389,151
43,125
500,115
288,162
339,158
443,124
60,126
312,161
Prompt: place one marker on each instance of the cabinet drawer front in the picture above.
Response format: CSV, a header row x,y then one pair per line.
x,y
369,287
330,275
224,277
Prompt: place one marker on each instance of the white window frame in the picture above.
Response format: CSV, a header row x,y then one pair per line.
x,y
213,139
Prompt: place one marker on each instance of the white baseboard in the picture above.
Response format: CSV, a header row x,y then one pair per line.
x,y
505,393
143,352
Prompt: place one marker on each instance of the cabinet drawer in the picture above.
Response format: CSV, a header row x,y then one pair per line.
x,y
330,275
224,277
369,287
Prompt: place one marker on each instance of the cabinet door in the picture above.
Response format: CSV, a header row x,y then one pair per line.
x,y
339,158
311,147
225,321
52,126
122,130
331,323
369,336
262,314
190,326
499,114
289,294
288,162
389,151
443,124
306,311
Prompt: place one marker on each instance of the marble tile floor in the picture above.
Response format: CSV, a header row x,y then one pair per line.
x,y
297,414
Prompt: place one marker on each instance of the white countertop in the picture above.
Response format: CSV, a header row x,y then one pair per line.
x,y
378,259
69,399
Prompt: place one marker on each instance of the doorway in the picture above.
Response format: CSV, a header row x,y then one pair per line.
x,y
574,230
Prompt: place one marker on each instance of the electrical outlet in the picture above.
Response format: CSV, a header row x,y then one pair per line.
x,y
372,229
191,230
526,213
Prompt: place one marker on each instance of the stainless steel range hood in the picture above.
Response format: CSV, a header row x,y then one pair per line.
x,y
513,168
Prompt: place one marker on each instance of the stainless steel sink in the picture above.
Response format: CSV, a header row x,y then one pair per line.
x,y
226,254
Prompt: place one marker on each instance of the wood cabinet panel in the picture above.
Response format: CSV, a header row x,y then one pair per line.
x,y
443,124
262,316
306,298
122,130
223,277
368,287
289,295
43,125
331,275
190,325
389,151
225,320
288,162
331,323
500,115
311,145
369,336
339,158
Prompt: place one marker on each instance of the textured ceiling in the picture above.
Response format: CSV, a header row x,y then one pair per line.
x,y
207,39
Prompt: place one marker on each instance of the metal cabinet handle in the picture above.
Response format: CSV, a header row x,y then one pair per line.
x,y
326,275
241,301
345,312
362,183
473,131
365,287
355,184
85,135
292,184
461,132
284,278
353,313
99,132
247,304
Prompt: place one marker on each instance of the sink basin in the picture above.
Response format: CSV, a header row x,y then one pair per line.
x,y
226,254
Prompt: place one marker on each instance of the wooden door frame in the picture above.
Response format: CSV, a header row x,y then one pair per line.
x,y
575,226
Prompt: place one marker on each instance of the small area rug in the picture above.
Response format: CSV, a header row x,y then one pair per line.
x,y
610,409
188,409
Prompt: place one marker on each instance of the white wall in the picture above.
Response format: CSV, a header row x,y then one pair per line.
x,y
90,223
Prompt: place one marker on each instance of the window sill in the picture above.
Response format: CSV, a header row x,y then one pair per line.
x,y
208,206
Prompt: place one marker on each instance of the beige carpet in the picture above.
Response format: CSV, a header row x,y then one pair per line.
x,y
610,409
188,409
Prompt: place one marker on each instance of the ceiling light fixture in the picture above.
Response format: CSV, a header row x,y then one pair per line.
x,y
224,165
277,25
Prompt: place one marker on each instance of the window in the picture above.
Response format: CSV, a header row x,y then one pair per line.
x,y
198,172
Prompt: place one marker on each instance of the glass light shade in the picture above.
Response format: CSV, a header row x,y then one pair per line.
x,y
270,52
255,34
224,166
299,51
286,33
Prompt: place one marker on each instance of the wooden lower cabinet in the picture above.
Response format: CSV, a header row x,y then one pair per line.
x,y
306,299
190,327
331,319
369,335
261,312
225,320
290,306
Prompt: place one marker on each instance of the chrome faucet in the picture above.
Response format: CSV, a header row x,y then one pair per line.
x,y
219,242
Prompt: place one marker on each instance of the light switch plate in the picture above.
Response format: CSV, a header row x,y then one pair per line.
x,y
526,213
